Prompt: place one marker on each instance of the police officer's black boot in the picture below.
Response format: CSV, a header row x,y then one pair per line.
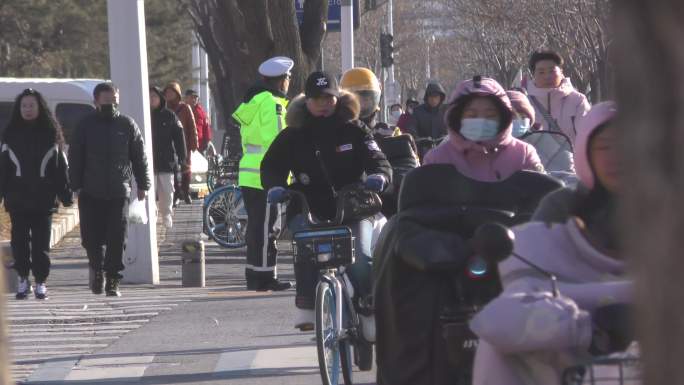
x,y
112,287
274,284
96,281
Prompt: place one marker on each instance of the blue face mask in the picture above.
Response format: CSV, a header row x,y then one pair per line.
x,y
479,129
520,127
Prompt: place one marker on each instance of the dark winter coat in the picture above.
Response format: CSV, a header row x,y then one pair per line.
x,y
33,171
419,265
104,154
346,146
168,140
428,122
402,155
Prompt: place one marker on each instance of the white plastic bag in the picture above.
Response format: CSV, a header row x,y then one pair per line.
x,y
137,212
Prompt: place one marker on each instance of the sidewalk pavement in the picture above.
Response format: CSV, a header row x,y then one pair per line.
x,y
163,334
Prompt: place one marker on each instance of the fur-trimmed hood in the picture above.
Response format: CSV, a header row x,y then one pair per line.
x,y
348,109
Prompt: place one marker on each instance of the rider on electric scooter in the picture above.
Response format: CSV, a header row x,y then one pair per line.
x,y
531,336
325,147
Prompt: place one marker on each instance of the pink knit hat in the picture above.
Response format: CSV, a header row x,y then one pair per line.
x,y
598,115
521,105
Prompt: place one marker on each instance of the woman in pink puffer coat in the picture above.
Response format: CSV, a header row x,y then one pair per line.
x,y
479,143
529,337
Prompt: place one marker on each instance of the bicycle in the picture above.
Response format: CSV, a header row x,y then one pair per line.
x,y
225,217
620,369
330,246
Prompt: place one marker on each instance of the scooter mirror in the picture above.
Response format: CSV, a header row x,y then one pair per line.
x,y
493,242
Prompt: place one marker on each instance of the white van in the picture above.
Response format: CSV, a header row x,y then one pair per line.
x,y
69,99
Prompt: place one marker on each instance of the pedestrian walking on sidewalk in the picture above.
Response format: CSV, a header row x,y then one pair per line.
x,y
106,151
202,121
262,117
33,175
172,93
168,147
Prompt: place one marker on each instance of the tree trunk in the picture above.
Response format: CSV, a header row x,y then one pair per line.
x,y
650,59
238,35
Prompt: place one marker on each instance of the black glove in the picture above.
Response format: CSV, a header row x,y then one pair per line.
x,y
613,329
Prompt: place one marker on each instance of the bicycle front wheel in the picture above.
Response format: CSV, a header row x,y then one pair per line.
x,y
329,345
225,217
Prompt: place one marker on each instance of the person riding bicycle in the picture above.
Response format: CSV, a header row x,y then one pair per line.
x,y
480,144
554,148
529,336
326,147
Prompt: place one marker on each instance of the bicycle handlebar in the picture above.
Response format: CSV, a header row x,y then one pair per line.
x,y
339,200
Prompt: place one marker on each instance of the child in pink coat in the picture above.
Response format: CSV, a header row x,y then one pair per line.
x,y
528,336
479,143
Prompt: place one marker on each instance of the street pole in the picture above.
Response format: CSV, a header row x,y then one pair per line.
x,y
196,65
205,97
347,34
390,71
128,67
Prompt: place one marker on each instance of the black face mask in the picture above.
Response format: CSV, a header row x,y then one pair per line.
x,y
108,110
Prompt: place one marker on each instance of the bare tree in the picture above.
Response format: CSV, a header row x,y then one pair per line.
x,y
649,36
239,34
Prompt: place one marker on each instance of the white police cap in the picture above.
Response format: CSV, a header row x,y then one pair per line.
x,y
276,66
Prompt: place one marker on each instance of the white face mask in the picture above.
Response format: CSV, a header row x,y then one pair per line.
x,y
479,129
520,127
396,114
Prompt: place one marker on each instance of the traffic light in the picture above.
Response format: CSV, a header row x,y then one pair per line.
x,y
386,50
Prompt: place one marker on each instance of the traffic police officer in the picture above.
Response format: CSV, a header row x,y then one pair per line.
x,y
261,117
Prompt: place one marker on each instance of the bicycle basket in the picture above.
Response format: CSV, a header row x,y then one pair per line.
x,y
325,248
611,370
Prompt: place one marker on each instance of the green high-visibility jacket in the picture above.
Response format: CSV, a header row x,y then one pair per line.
x,y
260,119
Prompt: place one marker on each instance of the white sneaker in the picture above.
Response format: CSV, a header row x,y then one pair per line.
x,y
304,320
41,291
168,221
367,327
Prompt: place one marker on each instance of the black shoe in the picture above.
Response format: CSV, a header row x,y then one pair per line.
x,y
112,287
24,288
274,285
97,283
187,199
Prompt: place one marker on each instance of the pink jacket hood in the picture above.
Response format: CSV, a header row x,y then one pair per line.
x,y
565,88
597,116
479,86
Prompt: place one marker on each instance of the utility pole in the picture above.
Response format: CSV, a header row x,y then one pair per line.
x,y
347,34
128,66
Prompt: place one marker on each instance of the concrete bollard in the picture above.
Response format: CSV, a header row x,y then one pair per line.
x,y
11,278
192,261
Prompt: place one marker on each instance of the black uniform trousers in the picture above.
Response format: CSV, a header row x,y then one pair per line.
x,y
104,231
31,232
262,234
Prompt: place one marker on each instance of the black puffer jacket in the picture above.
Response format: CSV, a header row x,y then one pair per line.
x,y
402,155
33,171
428,122
419,266
168,139
347,149
104,154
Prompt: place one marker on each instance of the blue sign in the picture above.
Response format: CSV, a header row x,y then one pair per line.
x,y
334,14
